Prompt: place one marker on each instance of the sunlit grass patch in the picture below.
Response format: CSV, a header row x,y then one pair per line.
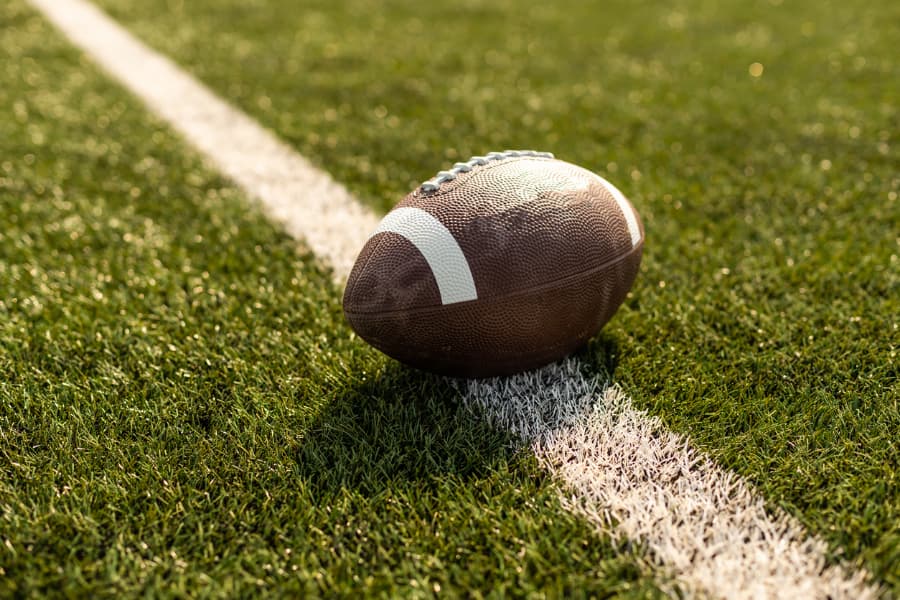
x,y
183,410
757,141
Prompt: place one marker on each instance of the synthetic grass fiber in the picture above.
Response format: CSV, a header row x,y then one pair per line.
x,y
758,141
183,411
764,324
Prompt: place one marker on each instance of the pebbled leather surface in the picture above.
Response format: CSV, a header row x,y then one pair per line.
x,y
550,254
390,275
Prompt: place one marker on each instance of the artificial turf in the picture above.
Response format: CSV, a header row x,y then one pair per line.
x,y
183,411
757,140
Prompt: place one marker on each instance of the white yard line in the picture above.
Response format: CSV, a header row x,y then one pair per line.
x,y
620,469
310,204
629,476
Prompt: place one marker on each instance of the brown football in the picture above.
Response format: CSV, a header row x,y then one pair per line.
x,y
502,264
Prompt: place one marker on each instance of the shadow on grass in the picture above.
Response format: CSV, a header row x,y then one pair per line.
x,y
406,425
402,425
601,356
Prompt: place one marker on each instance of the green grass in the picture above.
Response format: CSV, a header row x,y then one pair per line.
x,y
765,321
183,411
182,403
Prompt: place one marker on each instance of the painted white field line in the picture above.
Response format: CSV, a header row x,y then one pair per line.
x,y
620,468
630,477
310,204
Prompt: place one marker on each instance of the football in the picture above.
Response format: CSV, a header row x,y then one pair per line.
x,y
501,264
